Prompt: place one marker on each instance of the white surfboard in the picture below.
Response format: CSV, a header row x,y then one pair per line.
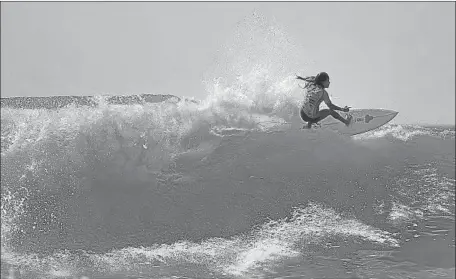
x,y
364,120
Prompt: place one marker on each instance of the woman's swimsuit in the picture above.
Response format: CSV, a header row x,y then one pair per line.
x,y
312,100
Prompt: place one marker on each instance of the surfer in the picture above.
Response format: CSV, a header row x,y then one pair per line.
x,y
314,95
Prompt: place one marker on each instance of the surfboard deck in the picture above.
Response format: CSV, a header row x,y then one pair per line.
x,y
364,120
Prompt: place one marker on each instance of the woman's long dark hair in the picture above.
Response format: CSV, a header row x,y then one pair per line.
x,y
318,79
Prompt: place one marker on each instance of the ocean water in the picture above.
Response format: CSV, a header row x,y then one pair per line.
x,y
225,187
209,190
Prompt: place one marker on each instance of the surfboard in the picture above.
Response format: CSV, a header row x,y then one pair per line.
x,y
364,120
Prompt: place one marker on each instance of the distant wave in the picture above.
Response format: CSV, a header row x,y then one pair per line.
x,y
408,132
56,102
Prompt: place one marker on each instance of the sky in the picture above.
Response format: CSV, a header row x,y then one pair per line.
x,y
393,55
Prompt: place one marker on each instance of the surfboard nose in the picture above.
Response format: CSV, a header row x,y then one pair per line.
x,y
384,112
389,115
392,112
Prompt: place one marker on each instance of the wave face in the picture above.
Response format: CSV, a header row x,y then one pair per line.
x,y
217,188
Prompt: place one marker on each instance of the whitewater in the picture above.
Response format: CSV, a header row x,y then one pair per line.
x,y
224,187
